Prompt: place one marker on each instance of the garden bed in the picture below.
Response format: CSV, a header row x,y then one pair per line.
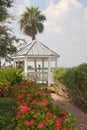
x,y
36,110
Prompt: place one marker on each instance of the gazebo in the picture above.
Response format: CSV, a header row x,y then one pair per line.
x,y
36,52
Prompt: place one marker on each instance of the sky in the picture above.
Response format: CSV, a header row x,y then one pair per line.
x,y
65,29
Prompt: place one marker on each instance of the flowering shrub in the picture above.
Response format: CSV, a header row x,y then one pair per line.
x,y
36,110
9,77
4,91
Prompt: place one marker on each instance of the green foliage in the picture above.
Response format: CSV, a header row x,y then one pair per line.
x,y
58,74
7,114
4,4
75,77
10,76
75,81
31,22
6,40
36,109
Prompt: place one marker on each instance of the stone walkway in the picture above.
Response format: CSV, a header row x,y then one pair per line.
x,y
81,116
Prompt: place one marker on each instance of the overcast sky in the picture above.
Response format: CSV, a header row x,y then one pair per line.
x,y
65,28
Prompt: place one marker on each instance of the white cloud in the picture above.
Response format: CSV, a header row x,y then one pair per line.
x,y
66,31
19,6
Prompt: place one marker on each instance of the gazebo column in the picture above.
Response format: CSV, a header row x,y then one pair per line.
x,y
42,70
14,63
56,63
35,65
25,66
49,72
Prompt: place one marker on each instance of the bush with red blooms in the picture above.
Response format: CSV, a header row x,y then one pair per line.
x,y
4,91
36,110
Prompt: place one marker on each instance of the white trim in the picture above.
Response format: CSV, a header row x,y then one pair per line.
x,y
49,72
25,65
43,71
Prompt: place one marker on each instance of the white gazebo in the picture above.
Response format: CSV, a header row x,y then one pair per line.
x,y
36,52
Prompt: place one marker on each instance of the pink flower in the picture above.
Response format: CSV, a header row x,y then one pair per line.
x,y
64,128
40,125
54,117
25,103
57,128
34,101
64,113
59,122
21,96
44,103
24,109
28,123
31,122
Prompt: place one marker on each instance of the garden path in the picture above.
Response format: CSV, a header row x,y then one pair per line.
x,y
81,116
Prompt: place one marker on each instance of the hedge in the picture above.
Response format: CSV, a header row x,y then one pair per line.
x,y
7,114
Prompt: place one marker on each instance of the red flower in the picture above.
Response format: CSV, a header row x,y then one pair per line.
x,y
45,102
24,109
40,125
59,122
28,123
57,128
25,103
54,117
64,113
64,128
31,122
21,96
34,101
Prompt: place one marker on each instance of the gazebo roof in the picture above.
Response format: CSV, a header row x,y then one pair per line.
x,y
35,48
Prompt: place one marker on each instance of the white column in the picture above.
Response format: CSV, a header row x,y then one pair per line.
x,y
35,65
14,64
49,72
42,70
56,63
25,65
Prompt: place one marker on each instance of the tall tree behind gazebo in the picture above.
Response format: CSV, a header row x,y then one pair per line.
x,y
31,22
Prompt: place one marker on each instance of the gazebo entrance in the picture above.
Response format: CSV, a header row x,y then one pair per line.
x,y
41,57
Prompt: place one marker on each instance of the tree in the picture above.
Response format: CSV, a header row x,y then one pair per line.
x,y
4,4
6,39
31,22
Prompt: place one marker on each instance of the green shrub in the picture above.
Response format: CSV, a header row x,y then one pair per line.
x,y
7,114
76,77
58,74
10,75
73,83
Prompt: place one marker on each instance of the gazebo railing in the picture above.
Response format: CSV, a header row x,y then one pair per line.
x,y
37,76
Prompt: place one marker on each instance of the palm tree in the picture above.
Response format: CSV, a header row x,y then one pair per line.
x,y
31,22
